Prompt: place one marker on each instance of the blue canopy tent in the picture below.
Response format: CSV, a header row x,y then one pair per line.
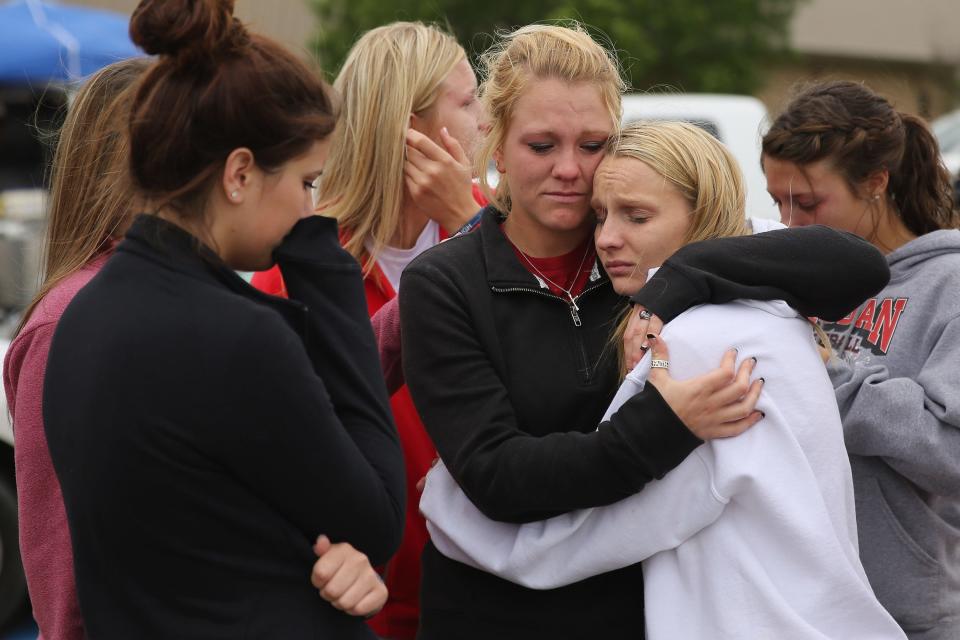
x,y
42,42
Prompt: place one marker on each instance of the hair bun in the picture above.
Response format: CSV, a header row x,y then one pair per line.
x,y
185,28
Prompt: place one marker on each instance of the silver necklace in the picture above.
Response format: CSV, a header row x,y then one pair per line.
x,y
576,276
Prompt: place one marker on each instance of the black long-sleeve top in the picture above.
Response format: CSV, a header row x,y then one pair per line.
x,y
819,271
205,434
511,386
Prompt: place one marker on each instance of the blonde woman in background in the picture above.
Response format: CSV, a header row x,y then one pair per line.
x,y
506,333
398,181
749,537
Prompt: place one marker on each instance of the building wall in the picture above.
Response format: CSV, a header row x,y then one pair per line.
x,y
928,90
919,31
907,50
288,21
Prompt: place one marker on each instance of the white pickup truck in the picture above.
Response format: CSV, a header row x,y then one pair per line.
x,y
13,587
737,121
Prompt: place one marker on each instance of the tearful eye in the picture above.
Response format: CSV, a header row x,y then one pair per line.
x,y
593,147
540,147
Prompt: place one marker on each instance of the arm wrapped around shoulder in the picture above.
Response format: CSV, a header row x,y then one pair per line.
x,y
819,271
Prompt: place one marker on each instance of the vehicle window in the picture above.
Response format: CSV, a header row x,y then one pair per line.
x,y
707,125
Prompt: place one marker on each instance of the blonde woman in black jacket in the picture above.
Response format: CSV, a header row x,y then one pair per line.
x,y
506,342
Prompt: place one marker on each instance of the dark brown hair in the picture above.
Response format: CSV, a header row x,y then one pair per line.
x,y
215,87
91,198
860,133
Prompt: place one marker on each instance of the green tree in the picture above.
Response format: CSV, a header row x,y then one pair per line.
x,y
689,45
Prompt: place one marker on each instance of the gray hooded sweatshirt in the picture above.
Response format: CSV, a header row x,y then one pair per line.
x,y
897,377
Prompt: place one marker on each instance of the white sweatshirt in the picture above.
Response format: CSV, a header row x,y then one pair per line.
x,y
750,537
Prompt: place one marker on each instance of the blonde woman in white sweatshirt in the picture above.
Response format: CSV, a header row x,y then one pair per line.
x,y
750,537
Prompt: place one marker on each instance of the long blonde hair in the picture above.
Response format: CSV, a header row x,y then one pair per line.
x,y
702,170
91,195
539,51
391,72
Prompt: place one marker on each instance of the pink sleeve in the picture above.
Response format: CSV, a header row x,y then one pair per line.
x,y
44,536
386,327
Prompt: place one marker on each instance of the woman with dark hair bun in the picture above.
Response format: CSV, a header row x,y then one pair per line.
x,y
211,441
842,156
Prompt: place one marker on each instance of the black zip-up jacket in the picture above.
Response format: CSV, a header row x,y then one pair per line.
x,y
205,434
511,382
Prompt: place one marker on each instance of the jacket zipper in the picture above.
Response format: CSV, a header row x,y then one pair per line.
x,y
572,307
588,369
574,315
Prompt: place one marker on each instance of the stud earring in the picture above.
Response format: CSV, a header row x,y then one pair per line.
x,y
234,194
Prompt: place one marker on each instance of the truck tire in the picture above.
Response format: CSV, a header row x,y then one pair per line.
x,y
13,584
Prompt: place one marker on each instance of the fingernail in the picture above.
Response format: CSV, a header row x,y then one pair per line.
x,y
762,381
445,132
644,347
763,415
754,360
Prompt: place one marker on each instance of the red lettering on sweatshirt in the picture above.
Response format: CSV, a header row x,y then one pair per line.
x,y
886,322
865,319
873,328
847,319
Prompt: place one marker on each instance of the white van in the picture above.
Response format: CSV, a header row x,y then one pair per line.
x,y
737,121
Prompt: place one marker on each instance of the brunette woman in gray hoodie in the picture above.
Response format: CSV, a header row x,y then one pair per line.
x,y
842,156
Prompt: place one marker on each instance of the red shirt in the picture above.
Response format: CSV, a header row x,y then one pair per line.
x,y
570,271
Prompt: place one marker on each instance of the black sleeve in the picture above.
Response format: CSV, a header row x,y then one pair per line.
x,y
819,271
355,490
467,410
